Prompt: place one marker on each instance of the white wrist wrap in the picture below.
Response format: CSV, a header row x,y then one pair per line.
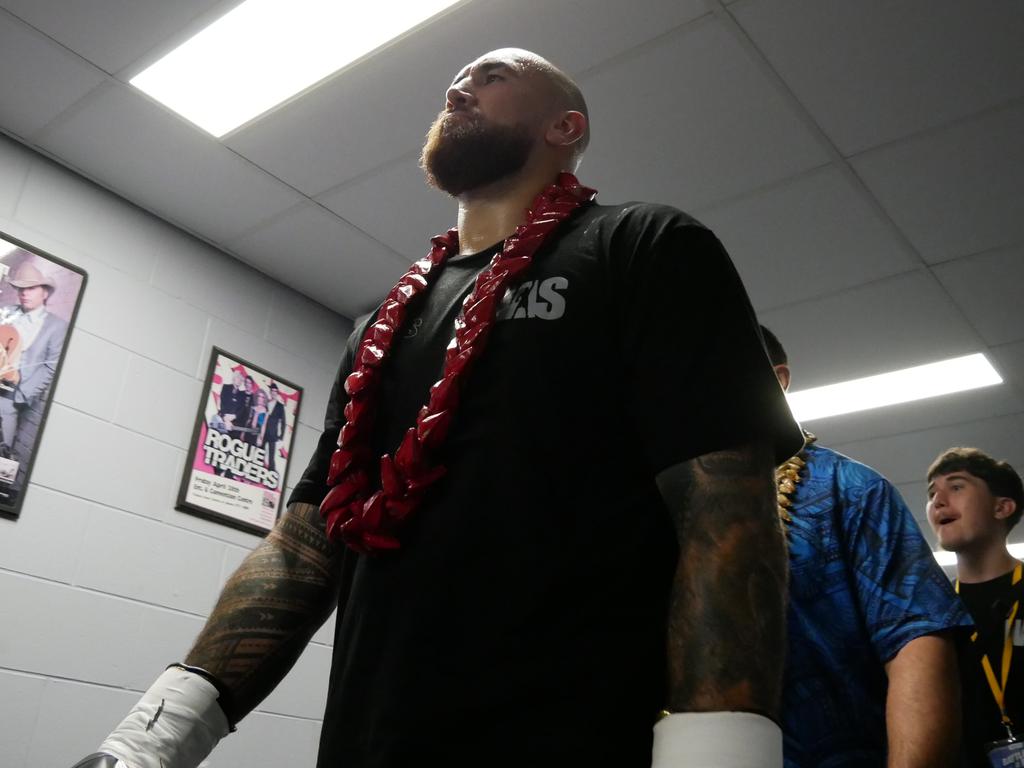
x,y
716,740
176,724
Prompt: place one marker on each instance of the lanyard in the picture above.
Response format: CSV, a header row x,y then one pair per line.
x,y
999,691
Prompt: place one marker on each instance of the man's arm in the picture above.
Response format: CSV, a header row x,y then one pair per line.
x,y
922,709
910,611
266,614
726,622
270,608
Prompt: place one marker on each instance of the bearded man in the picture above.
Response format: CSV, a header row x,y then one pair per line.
x,y
572,527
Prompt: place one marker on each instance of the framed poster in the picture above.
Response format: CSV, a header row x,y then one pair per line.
x,y
39,299
239,453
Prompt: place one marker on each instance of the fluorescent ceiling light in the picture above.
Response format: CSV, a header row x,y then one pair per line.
x,y
949,558
6,248
918,383
265,51
942,557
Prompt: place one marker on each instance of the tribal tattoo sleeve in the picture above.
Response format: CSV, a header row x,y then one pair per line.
x,y
270,608
726,622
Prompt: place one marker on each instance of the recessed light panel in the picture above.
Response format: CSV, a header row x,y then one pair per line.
x,y
907,385
263,52
949,558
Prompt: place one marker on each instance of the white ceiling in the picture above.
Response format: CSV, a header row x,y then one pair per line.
x,y
863,161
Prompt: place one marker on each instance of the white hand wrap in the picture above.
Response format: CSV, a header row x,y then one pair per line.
x,y
176,724
716,740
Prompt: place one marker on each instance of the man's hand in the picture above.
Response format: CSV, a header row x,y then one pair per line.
x,y
266,614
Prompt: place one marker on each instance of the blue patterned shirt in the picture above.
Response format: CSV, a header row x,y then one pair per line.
x,y
863,583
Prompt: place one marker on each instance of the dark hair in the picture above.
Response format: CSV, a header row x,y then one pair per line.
x,y
1002,479
772,345
273,385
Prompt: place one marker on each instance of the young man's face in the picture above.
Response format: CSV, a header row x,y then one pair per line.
x,y
31,298
963,512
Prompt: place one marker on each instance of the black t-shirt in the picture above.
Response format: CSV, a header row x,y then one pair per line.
x,y
523,620
990,604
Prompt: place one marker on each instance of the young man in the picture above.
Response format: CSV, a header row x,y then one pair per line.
x,y
573,523
973,503
41,340
870,673
273,427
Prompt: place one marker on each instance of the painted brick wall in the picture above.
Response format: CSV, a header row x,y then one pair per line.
x,y
102,582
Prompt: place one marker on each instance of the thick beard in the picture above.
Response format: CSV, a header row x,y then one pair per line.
x,y
463,153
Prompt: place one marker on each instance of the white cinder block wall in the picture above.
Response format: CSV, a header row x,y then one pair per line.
x,y
102,582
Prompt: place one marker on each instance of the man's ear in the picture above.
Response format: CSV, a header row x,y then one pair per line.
x,y
782,374
1005,507
567,129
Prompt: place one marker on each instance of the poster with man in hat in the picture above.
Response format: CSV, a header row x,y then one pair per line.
x,y
34,325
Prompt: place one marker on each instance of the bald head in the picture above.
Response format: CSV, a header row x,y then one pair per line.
x,y
565,94
562,92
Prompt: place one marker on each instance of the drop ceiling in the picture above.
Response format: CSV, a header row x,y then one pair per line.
x,y
862,160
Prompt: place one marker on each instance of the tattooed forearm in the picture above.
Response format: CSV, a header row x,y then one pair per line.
x,y
270,607
726,622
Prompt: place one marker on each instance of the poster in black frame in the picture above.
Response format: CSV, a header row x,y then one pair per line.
x,y
241,445
40,295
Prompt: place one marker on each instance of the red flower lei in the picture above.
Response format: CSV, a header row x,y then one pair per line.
x,y
366,518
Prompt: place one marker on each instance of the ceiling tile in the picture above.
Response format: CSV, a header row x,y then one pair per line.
x,y
371,203
380,109
888,325
40,78
111,33
988,289
813,235
128,143
905,458
916,497
956,191
958,408
325,258
690,121
1009,361
871,71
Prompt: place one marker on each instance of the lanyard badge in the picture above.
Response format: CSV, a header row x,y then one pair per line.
x,y
1008,753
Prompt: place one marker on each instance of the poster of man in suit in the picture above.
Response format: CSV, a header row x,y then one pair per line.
x,y
39,298
239,454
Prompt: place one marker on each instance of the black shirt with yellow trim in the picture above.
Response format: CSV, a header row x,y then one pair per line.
x,y
990,603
